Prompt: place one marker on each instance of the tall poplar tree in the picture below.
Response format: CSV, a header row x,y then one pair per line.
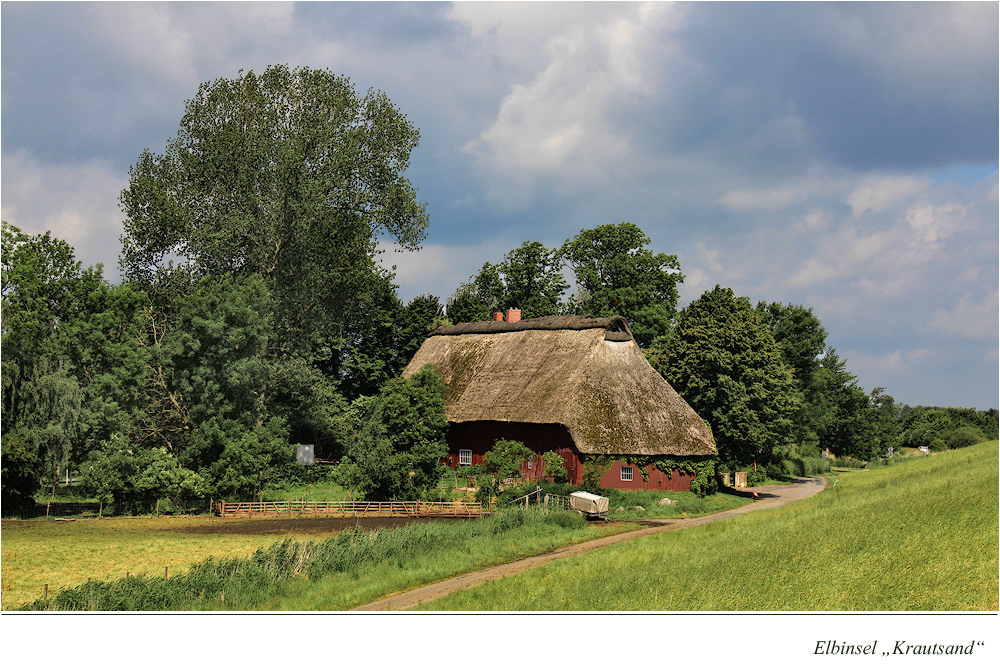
x,y
290,175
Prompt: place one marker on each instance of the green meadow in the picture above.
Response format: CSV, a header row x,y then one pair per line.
x,y
917,536
334,572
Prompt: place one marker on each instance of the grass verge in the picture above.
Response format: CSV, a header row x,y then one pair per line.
x,y
918,536
688,504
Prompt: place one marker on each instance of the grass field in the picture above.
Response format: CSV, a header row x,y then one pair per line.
x,y
343,590
64,554
67,553
918,536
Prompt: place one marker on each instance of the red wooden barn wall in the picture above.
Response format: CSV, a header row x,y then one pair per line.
x,y
481,435
677,482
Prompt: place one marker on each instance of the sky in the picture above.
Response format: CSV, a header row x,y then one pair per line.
x,y
838,156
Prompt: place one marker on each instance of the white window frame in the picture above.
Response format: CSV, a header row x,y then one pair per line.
x,y
464,456
624,472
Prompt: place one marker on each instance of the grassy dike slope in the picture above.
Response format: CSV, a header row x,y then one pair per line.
x,y
919,536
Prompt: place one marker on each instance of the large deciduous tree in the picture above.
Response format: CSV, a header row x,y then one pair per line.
x,y
529,278
847,418
533,280
617,275
799,334
802,339
722,359
480,297
290,175
44,290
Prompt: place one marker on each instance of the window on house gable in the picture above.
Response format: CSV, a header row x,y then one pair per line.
x,y
626,473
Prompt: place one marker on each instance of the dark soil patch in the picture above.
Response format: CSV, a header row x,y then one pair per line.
x,y
292,526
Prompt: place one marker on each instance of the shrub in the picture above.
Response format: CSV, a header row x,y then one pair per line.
x,y
508,519
554,468
963,437
937,446
848,463
566,519
804,467
762,474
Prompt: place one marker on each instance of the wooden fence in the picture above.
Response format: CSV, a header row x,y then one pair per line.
x,y
557,503
350,509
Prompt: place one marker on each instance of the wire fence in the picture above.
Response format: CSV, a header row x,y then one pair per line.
x,y
97,509
14,596
455,509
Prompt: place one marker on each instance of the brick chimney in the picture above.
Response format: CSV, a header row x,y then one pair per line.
x,y
513,314
498,317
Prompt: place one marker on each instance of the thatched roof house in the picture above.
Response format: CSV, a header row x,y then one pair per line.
x,y
578,385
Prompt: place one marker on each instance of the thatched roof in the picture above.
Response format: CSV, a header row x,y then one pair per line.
x,y
584,373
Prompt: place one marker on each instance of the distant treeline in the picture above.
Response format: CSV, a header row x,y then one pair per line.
x,y
955,427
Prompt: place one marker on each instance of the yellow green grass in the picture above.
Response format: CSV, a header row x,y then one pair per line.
x,y
918,536
68,553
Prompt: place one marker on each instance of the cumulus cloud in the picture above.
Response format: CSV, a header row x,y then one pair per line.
x,y
76,202
972,318
923,261
558,129
878,193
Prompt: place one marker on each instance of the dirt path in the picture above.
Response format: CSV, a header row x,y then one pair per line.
x,y
771,497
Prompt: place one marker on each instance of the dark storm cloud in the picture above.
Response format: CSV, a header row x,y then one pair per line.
x,y
68,96
876,86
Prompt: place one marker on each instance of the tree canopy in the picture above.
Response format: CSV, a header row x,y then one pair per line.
x,y
290,175
529,278
253,315
722,359
617,275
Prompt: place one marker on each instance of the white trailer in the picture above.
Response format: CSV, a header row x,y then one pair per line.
x,y
594,506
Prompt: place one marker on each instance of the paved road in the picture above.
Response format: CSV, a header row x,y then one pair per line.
x,y
771,497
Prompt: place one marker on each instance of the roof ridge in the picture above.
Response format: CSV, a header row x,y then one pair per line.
x,y
548,323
